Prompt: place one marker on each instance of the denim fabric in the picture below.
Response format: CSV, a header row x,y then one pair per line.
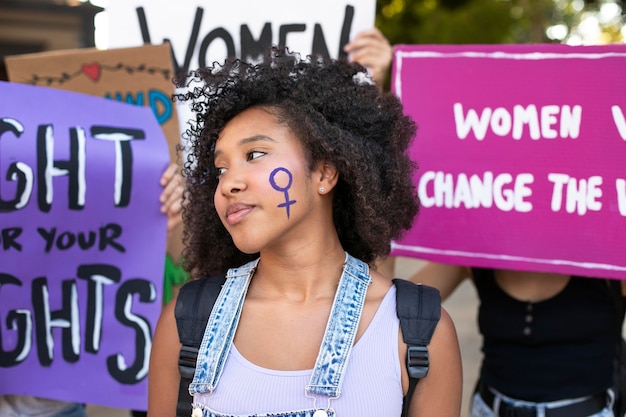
x,y
480,409
340,329
220,329
300,413
77,410
332,358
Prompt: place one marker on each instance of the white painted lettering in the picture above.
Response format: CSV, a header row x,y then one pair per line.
x,y
620,122
620,185
471,123
443,189
501,122
507,193
571,117
547,122
580,195
522,190
559,180
426,199
525,116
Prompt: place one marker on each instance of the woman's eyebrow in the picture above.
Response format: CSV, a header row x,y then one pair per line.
x,y
256,138
247,140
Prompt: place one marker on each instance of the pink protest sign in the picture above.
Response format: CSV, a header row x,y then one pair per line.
x,y
82,245
522,156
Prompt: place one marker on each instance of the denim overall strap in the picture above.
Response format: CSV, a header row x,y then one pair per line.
x,y
220,329
341,329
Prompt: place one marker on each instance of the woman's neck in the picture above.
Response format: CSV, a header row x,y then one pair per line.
x,y
300,275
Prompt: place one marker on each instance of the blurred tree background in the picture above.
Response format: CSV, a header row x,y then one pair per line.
x,y
577,22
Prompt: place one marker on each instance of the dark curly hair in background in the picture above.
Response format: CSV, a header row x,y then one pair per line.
x,y
339,115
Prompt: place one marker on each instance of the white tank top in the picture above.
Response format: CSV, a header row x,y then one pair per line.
x,y
372,385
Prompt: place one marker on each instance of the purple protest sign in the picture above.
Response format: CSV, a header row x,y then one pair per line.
x,y
521,152
82,245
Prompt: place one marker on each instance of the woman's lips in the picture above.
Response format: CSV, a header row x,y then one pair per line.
x,y
236,212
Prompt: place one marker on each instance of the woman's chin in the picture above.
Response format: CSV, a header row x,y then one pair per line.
x,y
247,248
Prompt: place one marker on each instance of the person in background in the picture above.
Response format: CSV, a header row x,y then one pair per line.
x,y
171,205
549,340
371,49
174,275
287,188
31,406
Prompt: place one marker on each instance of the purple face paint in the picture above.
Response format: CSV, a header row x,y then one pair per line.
x,y
284,189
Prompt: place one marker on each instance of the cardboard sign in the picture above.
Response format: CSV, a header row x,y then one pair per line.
x,y
82,244
201,34
140,75
521,156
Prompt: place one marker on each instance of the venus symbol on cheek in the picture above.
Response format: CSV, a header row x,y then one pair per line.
x,y
284,189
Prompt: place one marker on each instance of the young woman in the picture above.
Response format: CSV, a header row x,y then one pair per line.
x,y
298,177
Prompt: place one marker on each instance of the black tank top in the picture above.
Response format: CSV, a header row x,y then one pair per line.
x,y
555,349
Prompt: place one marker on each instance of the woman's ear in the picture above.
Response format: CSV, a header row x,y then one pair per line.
x,y
327,176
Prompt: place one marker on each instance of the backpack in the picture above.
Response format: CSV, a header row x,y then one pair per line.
x,y
418,308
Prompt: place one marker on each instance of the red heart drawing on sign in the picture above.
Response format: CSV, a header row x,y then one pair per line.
x,y
92,70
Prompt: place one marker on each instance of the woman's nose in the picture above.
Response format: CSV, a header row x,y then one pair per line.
x,y
232,181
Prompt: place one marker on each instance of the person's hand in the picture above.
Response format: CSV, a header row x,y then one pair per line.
x,y
172,196
371,49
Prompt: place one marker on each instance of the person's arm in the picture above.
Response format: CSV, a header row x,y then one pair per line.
x,y
171,204
164,377
446,278
371,49
440,392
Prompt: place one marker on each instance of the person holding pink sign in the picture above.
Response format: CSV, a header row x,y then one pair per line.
x,y
549,340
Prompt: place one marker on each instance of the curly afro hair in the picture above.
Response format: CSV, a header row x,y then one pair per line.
x,y
340,116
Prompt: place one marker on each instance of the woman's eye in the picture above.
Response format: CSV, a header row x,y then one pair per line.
x,y
254,155
220,171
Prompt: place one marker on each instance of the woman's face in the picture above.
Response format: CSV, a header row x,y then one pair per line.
x,y
265,191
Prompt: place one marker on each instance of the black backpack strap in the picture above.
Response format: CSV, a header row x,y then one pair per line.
x,y
419,310
193,308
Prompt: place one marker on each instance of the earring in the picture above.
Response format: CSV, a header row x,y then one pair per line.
x,y
322,189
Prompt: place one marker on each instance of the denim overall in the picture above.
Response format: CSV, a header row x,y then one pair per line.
x,y
332,358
